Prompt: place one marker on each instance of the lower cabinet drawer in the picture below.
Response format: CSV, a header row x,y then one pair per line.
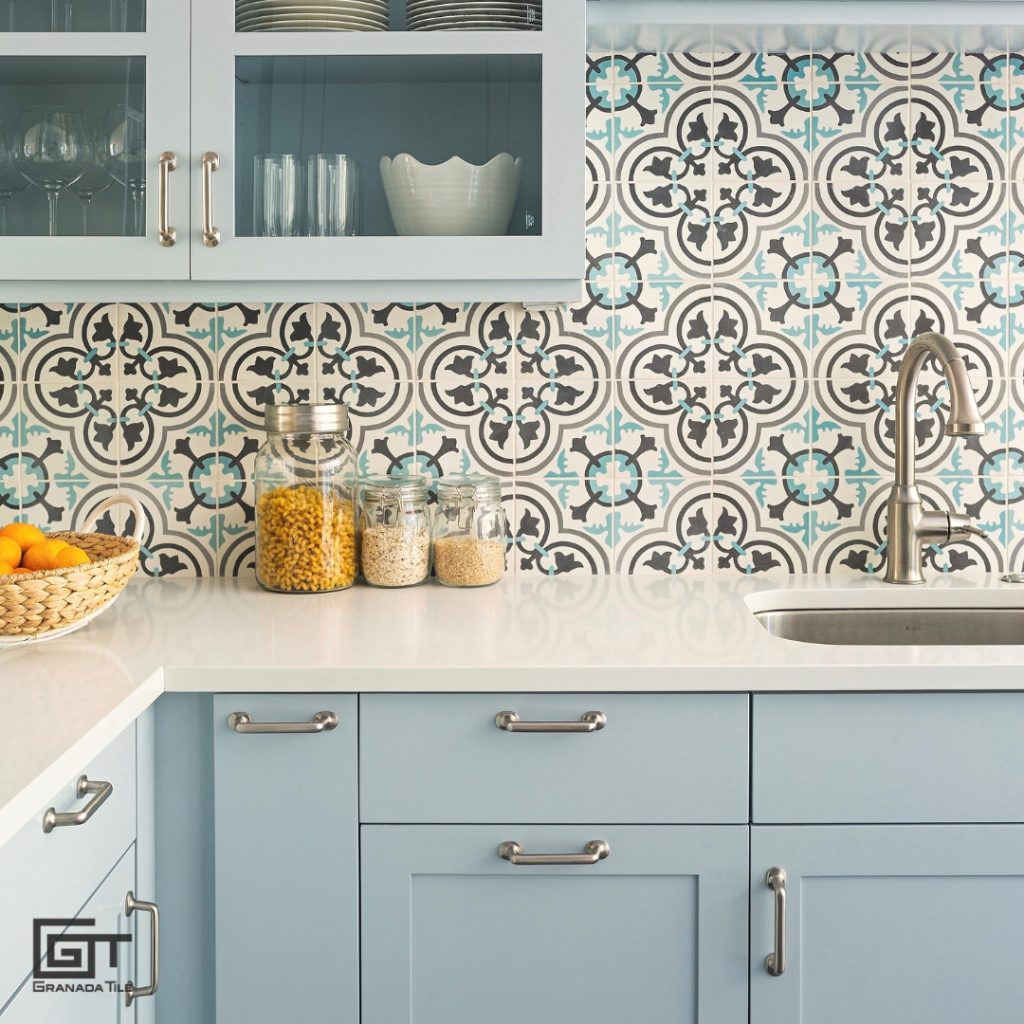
x,y
886,758
51,875
658,758
453,933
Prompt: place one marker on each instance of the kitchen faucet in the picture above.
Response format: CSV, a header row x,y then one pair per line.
x,y
911,525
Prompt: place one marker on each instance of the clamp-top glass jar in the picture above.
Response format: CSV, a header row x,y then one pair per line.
x,y
305,500
394,531
469,531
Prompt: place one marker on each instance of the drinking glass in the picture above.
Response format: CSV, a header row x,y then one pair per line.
x,y
8,15
60,15
276,207
124,132
12,181
332,195
53,148
95,177
118,15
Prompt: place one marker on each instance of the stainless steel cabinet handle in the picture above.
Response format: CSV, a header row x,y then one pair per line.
x,y
592,721
99,792
595,850
322,721
775,963
131,992
167,235
211,235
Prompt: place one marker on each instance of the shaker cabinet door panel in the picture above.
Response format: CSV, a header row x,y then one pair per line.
x,y
286,861
895,925
454,934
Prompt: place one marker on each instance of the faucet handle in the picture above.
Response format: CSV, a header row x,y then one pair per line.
x,y
961,525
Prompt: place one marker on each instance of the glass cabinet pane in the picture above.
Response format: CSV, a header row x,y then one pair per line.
x,y
422,145
72,15
388,15
73,146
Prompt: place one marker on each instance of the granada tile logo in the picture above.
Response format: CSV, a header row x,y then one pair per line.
x,y
66,955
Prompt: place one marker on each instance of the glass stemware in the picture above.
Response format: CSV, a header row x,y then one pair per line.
x,y
60,16
95,176
8,14
12,181
125,134
53,148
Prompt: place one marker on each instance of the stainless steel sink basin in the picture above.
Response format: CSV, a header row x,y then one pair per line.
x,y
927,626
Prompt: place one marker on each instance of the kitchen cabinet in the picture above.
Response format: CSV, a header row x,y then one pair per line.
x,y
106,911
206,101
286,858
455,934
917,924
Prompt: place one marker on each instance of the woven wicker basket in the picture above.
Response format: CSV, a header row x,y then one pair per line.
x,y
52,602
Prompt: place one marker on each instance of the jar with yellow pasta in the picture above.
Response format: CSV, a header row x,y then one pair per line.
x,y
305,501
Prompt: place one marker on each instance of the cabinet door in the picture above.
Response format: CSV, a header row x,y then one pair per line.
x,y
436,96
92,92
901,924
454,934
286,861
103,1001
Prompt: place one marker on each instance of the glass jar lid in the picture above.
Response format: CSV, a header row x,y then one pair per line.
x,y
306,419
409,490
464,490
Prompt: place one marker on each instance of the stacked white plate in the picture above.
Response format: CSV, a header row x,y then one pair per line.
x,y
311,15
474,15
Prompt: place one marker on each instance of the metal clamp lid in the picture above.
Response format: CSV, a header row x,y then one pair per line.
x,y
464,490
306,419
408,490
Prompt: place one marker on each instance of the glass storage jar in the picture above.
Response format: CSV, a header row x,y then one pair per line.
x,y
305,500
394,531
469,531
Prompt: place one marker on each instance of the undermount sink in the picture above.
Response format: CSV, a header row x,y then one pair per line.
x,y
891,626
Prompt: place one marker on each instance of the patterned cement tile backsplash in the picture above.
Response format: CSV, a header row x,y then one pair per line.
x,y
766,232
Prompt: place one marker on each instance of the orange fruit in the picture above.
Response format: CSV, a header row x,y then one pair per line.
x,y
6,569
69,556
23,534
22,572
10,552
42,556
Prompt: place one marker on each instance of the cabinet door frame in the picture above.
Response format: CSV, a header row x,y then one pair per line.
x,y
557,254
717,855
165,47
854,851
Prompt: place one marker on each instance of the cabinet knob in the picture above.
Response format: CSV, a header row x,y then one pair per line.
x,y
775,963
595,850
99,791
322,721
131,990
166,234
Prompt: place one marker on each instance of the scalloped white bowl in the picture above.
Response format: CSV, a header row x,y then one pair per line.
x,y
452,198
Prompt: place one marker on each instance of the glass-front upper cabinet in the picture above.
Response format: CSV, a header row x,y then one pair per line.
x,y
93,126
388,140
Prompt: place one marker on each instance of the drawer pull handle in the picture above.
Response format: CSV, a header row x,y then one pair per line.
x,y
99,792
322,721
211,235
595,850
775,963
592,721
131,992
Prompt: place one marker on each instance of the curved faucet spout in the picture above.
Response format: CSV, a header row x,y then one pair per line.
x,y
964,418
911,525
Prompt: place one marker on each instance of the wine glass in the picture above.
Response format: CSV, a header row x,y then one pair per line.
x,y
53,148
11,8
125,134
12,181
95,176
60,16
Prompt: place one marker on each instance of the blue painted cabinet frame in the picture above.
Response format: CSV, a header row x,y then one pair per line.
x,y
454,934
913,924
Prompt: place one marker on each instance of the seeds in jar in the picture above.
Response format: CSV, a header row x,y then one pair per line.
x,y
306,540
393,556
468,562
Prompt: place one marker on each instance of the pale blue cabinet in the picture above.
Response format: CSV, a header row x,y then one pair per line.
x,y
286,859
455,934
890,924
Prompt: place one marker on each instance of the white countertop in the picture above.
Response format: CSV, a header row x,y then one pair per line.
x,y
62,702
